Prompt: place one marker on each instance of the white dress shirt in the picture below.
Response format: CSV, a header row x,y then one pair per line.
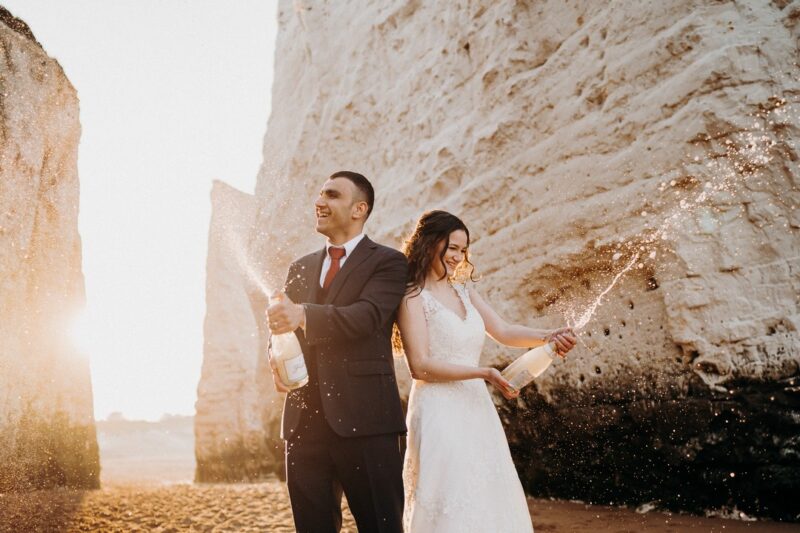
x,y
349,246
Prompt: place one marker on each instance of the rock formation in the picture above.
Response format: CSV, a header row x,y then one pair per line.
x,y
47,432
238,410
576,139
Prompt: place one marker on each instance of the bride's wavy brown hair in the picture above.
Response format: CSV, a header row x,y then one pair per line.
x,y
433,227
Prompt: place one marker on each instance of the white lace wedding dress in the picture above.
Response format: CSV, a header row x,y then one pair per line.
x,y
458,473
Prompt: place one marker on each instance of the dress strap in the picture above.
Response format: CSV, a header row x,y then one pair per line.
x,y
461,289
428,302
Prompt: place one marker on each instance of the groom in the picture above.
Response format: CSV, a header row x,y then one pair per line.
x,y
343,428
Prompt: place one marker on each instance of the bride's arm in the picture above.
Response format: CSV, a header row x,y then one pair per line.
x,y
517,335
414,333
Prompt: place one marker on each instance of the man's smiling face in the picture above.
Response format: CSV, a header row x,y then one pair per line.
x,y
334,206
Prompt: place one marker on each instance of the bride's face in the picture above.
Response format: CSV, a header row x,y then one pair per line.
x,y
453,256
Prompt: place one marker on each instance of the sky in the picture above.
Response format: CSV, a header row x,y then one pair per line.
x,y
173,94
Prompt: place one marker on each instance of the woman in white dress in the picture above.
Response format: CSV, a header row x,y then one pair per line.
x,y
458,473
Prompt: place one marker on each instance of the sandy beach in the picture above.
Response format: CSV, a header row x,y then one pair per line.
x,y
265,507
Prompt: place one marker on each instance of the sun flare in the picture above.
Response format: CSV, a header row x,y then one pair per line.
x,y
82,332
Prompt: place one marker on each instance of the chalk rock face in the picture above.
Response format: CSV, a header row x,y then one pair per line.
x,y
238,411
47,432
579,142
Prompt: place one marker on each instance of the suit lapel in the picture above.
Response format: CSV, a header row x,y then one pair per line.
x,y
308,290
362,250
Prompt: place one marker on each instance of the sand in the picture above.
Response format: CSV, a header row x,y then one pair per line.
x,y
146,468
265,507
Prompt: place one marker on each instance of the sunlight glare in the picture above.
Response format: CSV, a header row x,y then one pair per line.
x,y
83,332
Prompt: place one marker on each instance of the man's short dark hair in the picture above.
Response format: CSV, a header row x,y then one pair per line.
x,y
361,183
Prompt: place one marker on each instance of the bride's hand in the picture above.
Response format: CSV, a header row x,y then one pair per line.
x,y
564,339
494,377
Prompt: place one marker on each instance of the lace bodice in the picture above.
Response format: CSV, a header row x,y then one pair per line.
x,y
451,338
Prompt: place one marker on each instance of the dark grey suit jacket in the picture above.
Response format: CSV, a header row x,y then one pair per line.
x,y
347,341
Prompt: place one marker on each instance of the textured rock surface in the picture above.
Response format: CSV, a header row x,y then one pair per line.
x,y
569,138
47,432
238,411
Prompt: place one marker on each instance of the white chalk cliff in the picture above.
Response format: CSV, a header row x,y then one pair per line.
x,y
238,411
573,139
47,432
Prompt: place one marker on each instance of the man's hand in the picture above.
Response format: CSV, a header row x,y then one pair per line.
x,y
564,339
284,316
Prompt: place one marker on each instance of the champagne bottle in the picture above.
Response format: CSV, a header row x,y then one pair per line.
x,y
288,356
529,365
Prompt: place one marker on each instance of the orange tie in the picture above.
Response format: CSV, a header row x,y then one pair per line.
x,y
336,254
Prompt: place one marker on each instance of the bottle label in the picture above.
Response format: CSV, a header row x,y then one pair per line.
x,y
295,368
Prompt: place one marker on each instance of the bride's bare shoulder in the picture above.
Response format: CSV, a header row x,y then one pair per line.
x,y
412,296
412,292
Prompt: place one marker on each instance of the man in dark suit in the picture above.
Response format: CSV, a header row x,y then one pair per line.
x,y
343,428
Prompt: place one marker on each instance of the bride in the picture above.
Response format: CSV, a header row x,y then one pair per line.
x,y
458,473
